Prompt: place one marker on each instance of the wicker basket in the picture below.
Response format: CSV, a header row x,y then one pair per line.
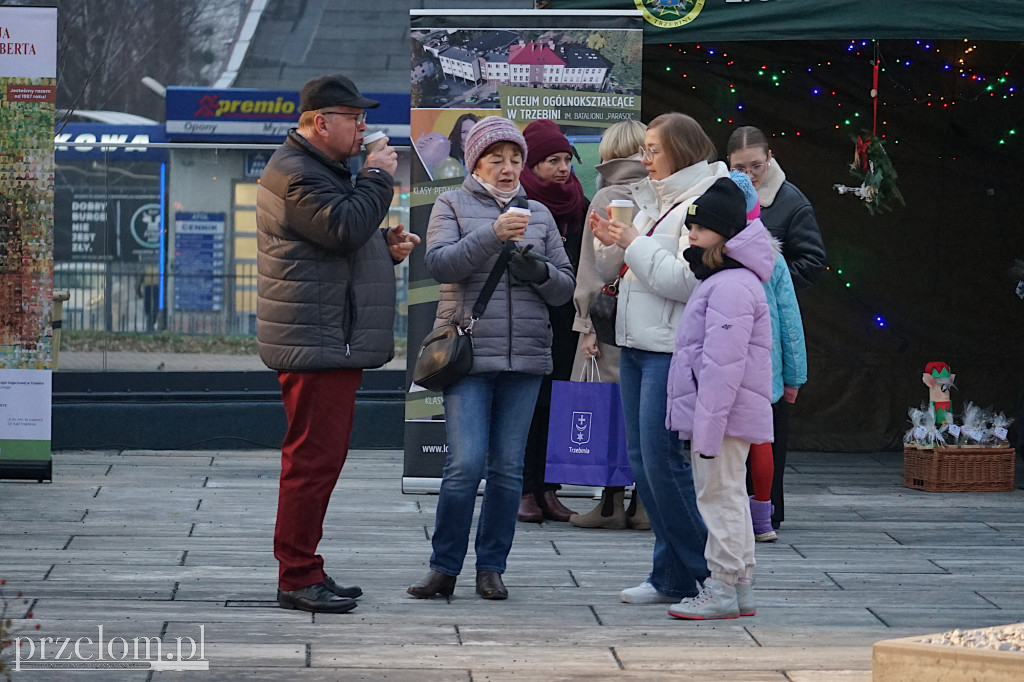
x,y
945,470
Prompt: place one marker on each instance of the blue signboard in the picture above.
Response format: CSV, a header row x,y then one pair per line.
x,y
252,115
239,114
199,261
103,141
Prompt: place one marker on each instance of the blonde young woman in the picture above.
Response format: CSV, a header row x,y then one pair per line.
x,y
620,167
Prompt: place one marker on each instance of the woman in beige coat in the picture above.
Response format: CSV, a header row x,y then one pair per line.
x,y
619,168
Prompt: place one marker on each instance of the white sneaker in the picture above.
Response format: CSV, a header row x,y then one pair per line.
x,y
644,593
716,600
745,598
770,536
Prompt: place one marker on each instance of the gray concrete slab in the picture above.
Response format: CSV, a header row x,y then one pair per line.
x,y
156,543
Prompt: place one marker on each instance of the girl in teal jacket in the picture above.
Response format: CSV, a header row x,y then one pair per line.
x,y
789,373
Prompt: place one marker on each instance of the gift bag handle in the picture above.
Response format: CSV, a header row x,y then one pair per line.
x,y
593,368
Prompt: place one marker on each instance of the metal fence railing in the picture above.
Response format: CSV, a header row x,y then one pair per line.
x,y
115,297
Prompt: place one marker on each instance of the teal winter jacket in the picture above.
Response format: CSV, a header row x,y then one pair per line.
x,y
789,354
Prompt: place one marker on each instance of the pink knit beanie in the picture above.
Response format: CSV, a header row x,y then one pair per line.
x,y
488,131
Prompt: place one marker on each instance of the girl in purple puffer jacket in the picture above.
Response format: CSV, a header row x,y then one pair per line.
x,y
720,388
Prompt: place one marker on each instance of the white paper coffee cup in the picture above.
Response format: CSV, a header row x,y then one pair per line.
x,y
621,210
524,211
374,141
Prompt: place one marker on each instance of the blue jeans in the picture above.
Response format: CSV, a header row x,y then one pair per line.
x,y
487,418
664,479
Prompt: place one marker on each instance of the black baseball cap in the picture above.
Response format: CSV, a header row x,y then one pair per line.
x,y
331,91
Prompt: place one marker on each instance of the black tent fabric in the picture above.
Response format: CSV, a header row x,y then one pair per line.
x,y
928,281
671,21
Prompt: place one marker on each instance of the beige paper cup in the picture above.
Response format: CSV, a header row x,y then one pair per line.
x,y
374,141
524,211
621,210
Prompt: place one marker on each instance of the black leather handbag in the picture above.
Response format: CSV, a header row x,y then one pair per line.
x,y
603,309
445,357
447,351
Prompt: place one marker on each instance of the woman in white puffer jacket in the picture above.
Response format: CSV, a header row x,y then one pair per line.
x,y
680,160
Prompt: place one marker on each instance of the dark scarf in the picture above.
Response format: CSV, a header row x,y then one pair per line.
x,y
695,257
565,200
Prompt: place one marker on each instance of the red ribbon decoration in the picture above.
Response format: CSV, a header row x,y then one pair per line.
x,y
862,152
874,86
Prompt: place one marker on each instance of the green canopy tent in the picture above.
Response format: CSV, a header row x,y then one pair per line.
x,y
672,21
926,281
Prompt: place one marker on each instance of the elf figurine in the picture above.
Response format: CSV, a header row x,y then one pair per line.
x,y
938,380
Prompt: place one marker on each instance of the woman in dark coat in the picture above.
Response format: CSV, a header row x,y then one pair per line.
x,y
550,181
789,217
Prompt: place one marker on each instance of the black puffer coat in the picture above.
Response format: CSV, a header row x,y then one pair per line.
x,y
326,280
790,218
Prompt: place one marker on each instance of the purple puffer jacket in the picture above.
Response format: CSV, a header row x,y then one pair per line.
x,y
720,379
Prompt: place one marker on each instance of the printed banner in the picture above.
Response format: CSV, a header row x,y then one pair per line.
x,y
579,69
95,224
28,86
25,415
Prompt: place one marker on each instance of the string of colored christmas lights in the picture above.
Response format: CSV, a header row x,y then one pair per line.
x,y
994,86
895,70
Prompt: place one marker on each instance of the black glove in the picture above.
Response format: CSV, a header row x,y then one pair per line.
x,y
528,267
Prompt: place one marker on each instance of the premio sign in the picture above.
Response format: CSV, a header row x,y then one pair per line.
x,y
234,114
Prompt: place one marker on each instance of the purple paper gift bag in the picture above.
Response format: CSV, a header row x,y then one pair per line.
x,y
587,435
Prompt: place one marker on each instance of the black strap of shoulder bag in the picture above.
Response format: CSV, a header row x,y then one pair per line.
x,y
491,284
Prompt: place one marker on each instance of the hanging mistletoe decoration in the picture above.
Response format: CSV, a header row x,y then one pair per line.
x,y
871,165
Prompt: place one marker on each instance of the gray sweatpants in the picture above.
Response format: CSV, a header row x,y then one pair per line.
x,y
721,485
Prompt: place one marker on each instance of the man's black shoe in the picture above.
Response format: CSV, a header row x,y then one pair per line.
x,y
351,591
315,599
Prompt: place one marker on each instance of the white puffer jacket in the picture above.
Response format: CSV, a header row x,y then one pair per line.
x,y
657,285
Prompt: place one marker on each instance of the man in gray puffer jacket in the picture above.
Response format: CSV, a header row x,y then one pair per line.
x,y
325,312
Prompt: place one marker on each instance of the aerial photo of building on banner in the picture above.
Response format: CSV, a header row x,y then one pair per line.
x,y
578,69
28,65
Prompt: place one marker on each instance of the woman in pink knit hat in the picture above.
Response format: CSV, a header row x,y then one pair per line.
x,y
470,229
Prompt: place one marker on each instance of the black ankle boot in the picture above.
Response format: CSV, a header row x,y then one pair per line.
x,y
433,583
490,586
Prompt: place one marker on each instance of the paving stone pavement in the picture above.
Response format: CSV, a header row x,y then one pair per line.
x,y
168,544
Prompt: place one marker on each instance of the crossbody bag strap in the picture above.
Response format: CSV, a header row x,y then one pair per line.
x,y
625,267
492,282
